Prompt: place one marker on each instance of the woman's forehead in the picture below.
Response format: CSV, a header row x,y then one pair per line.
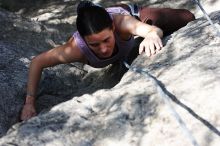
x,y
101,36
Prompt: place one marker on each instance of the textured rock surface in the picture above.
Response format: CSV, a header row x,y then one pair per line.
x,y
131,113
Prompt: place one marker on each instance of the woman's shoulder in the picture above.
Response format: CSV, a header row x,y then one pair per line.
x,y
78,39
73,43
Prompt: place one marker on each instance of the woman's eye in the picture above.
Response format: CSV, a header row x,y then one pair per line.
x,y
94,45
106,40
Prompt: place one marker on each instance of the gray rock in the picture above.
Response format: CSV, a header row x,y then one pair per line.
x,y
133,112
82,106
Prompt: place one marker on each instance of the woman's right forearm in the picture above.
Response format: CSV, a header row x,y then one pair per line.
x,y
34,76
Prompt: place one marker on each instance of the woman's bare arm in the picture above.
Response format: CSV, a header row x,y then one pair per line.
x,y
63,54
152,35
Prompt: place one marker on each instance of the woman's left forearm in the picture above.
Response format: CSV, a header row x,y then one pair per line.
x,y
129,24
142,29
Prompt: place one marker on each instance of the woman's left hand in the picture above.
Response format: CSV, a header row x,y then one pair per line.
x,y
151,44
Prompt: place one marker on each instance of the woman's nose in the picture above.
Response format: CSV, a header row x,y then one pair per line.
x,y
103,48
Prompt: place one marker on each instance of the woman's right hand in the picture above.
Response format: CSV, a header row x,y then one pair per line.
x,y
28,111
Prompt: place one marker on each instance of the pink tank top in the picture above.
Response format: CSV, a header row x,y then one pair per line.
x,y
124,47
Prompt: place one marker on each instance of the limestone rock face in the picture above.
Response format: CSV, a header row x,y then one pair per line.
x,y
82,106
129,113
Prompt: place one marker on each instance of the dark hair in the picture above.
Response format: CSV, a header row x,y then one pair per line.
x,y
91,18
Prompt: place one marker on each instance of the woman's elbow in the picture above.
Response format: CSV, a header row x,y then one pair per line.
x,y
37,62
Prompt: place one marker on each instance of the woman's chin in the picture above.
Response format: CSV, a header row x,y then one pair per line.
x,y
105,56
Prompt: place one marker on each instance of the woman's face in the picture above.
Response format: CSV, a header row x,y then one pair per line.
x,y
102,43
